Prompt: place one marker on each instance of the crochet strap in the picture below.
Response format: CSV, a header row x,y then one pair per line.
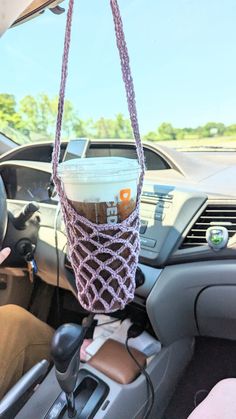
x,y
129,87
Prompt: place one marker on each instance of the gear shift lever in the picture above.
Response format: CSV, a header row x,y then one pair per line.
x,y
66,344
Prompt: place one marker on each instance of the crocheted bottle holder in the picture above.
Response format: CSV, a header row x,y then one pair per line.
x,y
104,257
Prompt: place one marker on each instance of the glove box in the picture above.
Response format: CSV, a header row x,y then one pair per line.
x,y
216,312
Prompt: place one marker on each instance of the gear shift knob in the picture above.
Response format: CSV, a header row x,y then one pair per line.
x,y
65,343
65,351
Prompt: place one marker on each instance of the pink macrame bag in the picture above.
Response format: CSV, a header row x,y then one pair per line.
x,y
104,257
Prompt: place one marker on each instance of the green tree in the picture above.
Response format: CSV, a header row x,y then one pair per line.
x,y
122,127
230,130
151,136
166,131
83,128
211,129
8,112
180,134
104,128
112,128
40,113
29,111
69,117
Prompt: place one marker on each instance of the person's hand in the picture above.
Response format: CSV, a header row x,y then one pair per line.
x,y
4,253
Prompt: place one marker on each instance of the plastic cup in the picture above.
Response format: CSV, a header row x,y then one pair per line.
x,y
103,189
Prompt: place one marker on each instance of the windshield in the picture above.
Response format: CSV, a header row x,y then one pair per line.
x,y
183,62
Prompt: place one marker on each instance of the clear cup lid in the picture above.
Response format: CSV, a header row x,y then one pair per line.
x,y
87,169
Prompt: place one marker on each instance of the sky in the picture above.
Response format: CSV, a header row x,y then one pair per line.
x,y
182,52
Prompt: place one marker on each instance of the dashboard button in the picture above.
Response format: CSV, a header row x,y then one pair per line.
x,y
147,242
160,205
143,227
159,216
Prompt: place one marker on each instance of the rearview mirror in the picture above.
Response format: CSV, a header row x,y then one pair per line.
x,y
14,12
37,7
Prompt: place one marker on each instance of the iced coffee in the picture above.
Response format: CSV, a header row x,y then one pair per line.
x,y
102,189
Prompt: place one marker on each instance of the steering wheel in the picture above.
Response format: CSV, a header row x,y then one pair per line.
x,y
3,212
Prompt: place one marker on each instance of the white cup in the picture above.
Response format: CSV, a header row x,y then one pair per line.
x,y
108,182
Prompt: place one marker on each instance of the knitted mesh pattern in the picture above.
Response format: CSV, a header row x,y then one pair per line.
x,y
104,257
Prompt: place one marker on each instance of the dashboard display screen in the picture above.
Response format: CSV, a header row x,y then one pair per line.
x,y
26,184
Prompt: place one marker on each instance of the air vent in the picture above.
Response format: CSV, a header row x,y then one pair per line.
x,y
223,215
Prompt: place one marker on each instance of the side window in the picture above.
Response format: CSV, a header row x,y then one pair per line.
x,y
42,152
153,160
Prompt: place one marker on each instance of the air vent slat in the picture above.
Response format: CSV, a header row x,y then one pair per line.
x,y
227,223
193,244
212,217
216,214
220,210
203,230
194,237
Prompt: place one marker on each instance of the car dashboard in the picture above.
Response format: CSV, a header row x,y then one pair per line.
x,y
175,266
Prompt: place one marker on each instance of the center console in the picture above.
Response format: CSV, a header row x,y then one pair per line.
x,y
121,401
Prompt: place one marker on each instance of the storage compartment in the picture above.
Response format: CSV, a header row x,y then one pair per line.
x,y
216,312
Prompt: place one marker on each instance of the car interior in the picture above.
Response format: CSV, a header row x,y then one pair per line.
x,y
185,283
